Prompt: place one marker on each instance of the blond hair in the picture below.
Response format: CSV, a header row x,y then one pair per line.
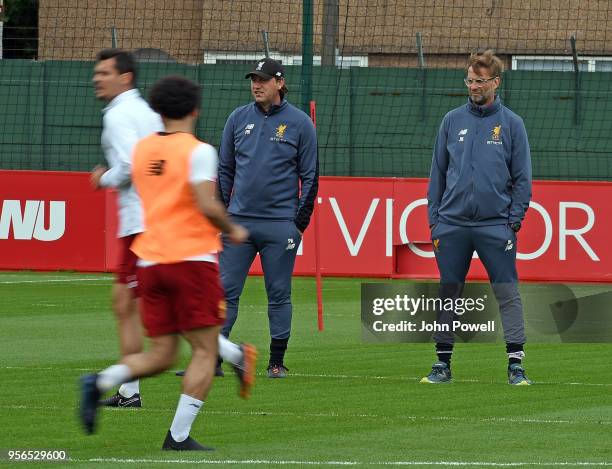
x,y
488,60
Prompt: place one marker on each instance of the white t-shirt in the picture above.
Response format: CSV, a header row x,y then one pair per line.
x,y
127,119
203,164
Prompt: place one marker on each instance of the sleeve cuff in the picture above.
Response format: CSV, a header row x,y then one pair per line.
x,y
300,226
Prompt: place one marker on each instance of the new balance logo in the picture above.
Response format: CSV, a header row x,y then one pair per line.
x,y
31,223
509,245
290,244
156,168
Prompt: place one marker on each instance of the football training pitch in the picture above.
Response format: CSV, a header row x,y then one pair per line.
x,y
345,402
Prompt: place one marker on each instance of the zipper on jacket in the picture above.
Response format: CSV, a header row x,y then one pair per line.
x,y
473,170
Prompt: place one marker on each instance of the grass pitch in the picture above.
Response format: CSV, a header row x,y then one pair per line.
x,y
345,403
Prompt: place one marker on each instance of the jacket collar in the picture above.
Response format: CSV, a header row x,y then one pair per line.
x,y
274,109
483,111
120,98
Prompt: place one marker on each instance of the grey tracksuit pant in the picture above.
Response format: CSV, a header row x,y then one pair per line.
x,y
277,243
496,247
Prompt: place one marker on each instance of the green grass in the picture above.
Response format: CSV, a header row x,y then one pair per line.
x,y
345,401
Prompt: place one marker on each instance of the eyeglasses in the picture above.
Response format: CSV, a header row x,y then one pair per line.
x,y
479,82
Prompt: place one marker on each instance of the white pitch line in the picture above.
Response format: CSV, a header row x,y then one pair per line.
x,y
336,376
408,378
272,462
338,415
56,280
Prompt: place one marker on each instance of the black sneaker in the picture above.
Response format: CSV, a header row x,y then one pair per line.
x,y
117,400
88,406
277,370
188,445
245,371
218,372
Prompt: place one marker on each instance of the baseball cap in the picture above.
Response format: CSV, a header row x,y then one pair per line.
x,y
267,68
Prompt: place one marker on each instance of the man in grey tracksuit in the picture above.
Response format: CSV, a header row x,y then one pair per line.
x,y
268,149
479,191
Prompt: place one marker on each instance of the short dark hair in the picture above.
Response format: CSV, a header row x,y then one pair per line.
x,y
124,61
174,97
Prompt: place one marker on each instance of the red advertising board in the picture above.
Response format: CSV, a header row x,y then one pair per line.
x,y
51,220
378,227
373,227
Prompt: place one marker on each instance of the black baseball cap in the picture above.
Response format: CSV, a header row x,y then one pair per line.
x,y
267,68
